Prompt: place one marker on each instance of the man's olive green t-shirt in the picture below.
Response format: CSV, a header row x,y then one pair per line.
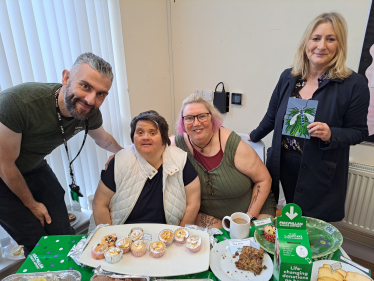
x,y
29,109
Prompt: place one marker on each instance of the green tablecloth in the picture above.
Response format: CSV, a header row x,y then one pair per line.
x,y
50,254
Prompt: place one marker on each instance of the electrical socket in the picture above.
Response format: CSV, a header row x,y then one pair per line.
x,y
198,92
208,95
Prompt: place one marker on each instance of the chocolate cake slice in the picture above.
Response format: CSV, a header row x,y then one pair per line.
x,y
250,259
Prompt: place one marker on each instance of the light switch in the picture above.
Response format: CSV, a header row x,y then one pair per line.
x,y
208,95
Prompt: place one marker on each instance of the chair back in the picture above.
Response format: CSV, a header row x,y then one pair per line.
x,y
259,146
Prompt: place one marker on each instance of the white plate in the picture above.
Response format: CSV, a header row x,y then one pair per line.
x,y
177,260
8,252
223,265
77,215
345,267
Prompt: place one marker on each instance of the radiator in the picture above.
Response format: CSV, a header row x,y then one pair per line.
x,y
358,223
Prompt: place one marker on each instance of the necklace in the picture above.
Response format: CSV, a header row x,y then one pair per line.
x,y
202,148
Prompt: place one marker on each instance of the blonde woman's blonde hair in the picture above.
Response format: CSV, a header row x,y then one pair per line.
x,y
193,98
336,68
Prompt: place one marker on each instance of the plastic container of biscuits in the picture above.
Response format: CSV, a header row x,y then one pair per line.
x,y
65,275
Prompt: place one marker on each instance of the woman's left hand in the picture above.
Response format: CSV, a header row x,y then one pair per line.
x,y
320,130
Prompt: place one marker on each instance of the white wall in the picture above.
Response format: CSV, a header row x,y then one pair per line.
x,y
244,43
145,36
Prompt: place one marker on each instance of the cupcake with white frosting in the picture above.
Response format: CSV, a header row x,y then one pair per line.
x,y
113,254
166,236
157,249
124,244
193,243
136,234
138,248
181,235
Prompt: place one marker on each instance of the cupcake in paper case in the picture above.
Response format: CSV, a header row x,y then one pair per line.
x,y
109,240
136,234
193,243
166,236
124,244
157,249
270,232
138,248
113,254
97,251
181,235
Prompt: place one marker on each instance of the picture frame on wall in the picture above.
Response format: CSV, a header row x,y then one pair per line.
x,y
366,69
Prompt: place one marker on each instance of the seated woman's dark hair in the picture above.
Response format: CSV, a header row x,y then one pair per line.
x,y
156,118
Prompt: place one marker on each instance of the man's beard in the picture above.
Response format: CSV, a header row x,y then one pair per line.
x,y
71,100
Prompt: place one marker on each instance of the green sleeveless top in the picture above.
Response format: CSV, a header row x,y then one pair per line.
x,y
232,190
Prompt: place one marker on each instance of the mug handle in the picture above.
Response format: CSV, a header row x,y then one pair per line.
x,y
223,223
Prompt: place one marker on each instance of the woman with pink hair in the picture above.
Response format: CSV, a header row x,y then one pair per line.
x,y
232,176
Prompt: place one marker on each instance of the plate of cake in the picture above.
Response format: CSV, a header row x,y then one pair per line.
x,y
250,264
13,251
74,217
156,250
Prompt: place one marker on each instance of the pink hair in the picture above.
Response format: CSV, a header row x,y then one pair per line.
x,y
217,120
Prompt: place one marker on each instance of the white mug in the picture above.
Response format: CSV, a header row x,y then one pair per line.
x,y
239,225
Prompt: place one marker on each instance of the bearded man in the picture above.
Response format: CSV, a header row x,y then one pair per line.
x,y
35,118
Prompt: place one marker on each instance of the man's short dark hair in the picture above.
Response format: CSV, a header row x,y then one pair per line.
x,y
156,118
95,62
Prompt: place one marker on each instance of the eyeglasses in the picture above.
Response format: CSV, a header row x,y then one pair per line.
x,y
209,182
202,117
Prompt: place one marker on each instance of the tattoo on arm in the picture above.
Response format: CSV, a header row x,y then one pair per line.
x,y
254,198
109,144
207,221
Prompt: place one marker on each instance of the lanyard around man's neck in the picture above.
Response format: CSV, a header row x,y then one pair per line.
x,y
73,186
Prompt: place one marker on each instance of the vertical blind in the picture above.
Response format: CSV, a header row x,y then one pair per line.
x,y
41,38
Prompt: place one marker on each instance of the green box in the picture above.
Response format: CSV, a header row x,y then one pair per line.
x,y
292,256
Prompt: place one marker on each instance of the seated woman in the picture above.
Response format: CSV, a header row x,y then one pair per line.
x,y
149,181
232,176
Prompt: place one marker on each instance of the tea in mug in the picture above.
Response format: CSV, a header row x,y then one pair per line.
x,y
240,221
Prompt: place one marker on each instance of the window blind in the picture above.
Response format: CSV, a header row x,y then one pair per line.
x,y
41,38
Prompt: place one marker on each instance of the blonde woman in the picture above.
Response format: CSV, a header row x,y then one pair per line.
x,y
314,172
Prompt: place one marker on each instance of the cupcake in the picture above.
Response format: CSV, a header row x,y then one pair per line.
x,y
166,236
97,251
109,240
157,249
124,244
193,243
138,248
113,254
269,232
181,235
136,234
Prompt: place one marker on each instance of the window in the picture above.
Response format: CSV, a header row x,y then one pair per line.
x,y
39,39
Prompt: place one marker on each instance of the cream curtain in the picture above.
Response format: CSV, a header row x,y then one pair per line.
x,y
39,39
